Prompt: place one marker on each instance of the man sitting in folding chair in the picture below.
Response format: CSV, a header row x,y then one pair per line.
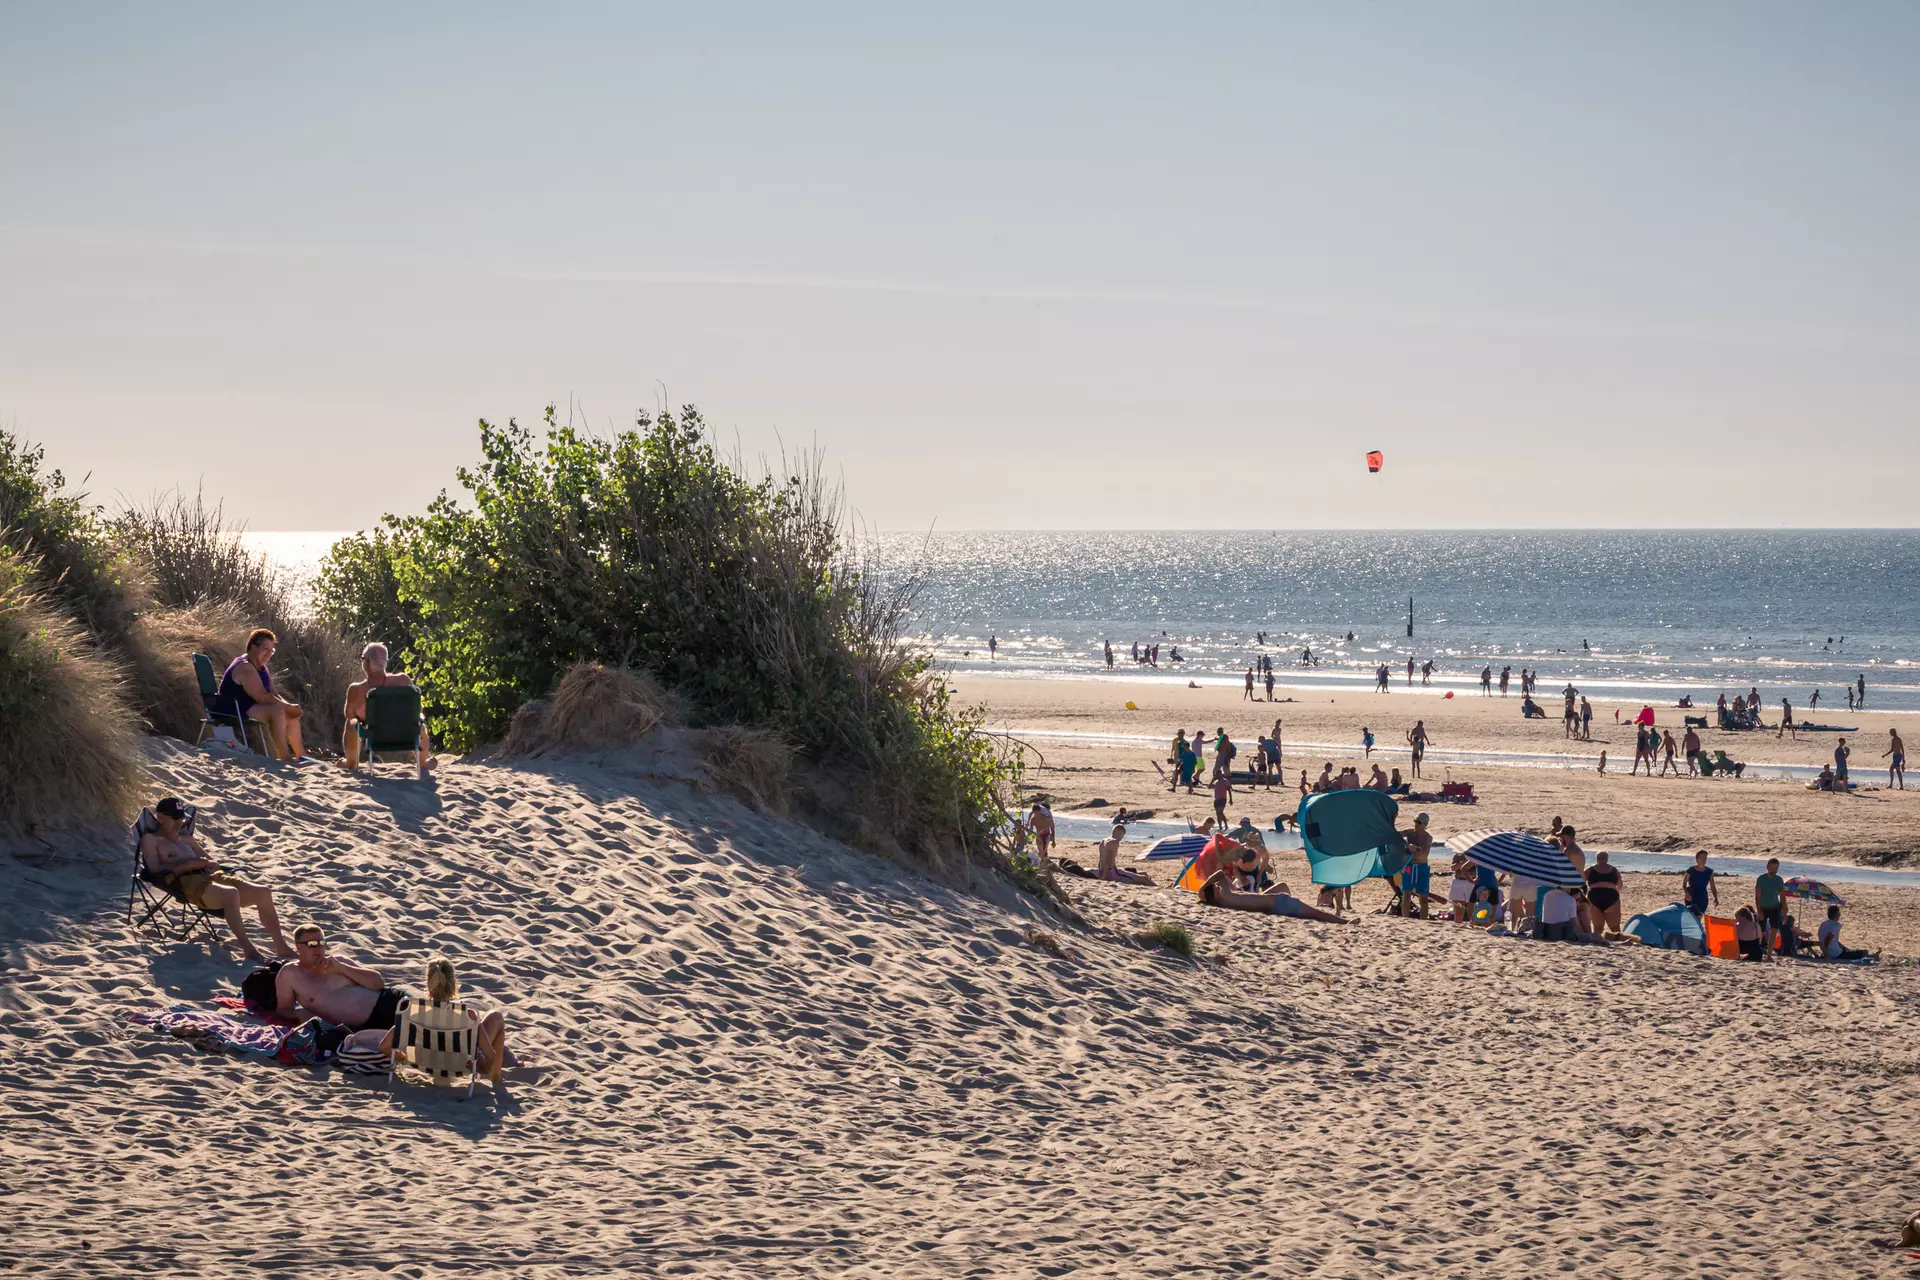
x,y
373,661
186,869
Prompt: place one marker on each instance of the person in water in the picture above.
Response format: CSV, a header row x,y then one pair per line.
x,y
246,690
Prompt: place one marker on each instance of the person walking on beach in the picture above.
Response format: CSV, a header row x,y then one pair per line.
x,y
1269,682
1897,766
1700,885
1586,720
1248,695
1786,721
1426,672
993,648
1813,703
1417,739
1366,742
1671,748
1108,645
1222,792
1409,672
1691,745
1841,754
1486,681
1860,695
1506,674
1182,762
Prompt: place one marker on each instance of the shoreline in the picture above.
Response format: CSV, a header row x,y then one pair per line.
x,y
1353,681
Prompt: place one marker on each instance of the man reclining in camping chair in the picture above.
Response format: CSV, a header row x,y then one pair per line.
x,y
185,866
373,662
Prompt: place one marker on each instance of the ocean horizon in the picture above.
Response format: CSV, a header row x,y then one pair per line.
x,y
1619,613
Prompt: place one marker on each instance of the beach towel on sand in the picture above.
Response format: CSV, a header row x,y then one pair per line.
x,y
308,1044
213,1032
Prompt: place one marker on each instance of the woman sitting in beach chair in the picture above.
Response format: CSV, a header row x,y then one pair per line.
x,y
441,1035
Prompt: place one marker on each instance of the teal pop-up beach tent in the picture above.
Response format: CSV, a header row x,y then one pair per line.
x,y
1350,835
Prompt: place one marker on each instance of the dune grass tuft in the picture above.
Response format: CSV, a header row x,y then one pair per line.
x,y
594,708
68,742
751,765
200,571
1174,937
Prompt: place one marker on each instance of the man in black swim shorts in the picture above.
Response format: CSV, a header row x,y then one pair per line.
x,y
323,985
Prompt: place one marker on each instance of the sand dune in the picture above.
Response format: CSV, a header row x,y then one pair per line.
x,y
751,1051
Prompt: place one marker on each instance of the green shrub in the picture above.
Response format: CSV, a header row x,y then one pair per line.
x,y
358,589
68,743
59,534
741,597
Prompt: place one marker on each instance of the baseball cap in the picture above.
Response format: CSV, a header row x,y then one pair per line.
x,y
171,807
1421,820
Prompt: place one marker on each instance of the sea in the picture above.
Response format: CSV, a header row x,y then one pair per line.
x,y
1641,614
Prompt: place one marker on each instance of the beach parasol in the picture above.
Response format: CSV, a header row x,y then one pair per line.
x,y
1170,848
1813,890
1519,853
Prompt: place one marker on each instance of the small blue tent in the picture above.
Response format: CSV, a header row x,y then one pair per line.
x,y
1674,927
1349,835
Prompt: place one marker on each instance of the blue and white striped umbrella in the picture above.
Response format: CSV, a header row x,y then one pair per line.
x,y
1187,844
1514,851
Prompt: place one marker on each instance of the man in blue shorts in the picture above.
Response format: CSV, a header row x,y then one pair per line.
x,y
1417,875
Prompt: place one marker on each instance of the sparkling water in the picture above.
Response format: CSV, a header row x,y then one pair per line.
x,y
1620,613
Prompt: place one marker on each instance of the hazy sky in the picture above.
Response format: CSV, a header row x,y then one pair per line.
x,y
1042,265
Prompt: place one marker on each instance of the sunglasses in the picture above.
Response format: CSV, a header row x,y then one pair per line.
x,y
314,942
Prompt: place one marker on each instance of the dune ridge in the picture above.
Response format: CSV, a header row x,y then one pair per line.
x,y
752,1051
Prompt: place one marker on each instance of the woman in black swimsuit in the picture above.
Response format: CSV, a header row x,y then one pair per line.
x,y
1603,893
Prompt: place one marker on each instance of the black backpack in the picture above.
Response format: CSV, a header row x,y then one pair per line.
x,y
259,990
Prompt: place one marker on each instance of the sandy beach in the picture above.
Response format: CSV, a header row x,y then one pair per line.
x,y
750,1051
1741,817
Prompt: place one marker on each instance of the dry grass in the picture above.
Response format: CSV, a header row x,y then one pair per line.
x,y
202,575
751,765
595,708
160,662
69,745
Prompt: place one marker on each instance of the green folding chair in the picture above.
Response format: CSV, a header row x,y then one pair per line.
x,y
213,717
394,722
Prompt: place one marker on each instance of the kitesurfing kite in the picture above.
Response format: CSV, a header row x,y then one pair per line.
x,y
1375,460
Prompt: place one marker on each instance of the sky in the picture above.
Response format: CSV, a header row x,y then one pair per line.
x,y
1010,266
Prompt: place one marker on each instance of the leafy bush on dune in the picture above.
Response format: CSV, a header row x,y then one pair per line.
x,y
742,597
68,743
203,578
59,535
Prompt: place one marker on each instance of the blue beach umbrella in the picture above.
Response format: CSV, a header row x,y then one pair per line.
x,y
1187,844
1518,853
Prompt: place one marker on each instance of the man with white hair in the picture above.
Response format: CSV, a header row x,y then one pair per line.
x,y
373,661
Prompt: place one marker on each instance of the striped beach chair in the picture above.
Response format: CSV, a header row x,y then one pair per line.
x,y
440,1038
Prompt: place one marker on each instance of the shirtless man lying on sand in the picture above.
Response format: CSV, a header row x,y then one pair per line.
x,y
373,662
322,985
186,861
1217,892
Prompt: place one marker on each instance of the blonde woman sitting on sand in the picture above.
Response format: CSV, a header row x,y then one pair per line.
x,y
492,1037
